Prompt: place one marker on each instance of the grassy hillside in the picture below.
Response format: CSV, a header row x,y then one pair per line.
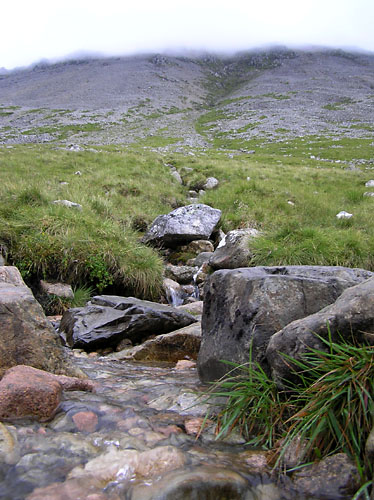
x,y
291,191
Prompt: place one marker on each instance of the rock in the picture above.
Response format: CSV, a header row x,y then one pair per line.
x,y
196,308
234,250
60,289
351,315
168,347
27,337
175,294
369,183
199,260
202,482
369,447
185,364
29,392
127,464
198,246
211,183
344,215
86,421
181,274
177,176
369,193
333,477
108,319
68,204
71,490
184,224
251,304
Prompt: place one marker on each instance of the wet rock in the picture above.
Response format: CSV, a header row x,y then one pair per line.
x,y
108,319
192,222
199,260
71,490
351,315
181,274
234,250
333,477
27,337
127,464
60,289
86,421
202,482
29,392
168,347
174,292
9,446
185,364
251,304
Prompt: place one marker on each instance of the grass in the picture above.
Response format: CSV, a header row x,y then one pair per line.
x,y
99,246
329,410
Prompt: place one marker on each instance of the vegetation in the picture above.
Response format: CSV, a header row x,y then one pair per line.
x,y
329,410
98,246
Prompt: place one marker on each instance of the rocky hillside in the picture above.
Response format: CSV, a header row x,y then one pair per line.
x,y
190,101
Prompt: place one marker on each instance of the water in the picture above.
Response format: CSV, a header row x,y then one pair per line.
x,y
136,438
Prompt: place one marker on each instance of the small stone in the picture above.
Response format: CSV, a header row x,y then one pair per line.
x,y
68,204
369,183
211,183
344,215
185,364
194,426
78,172
177,176
369,193
86,421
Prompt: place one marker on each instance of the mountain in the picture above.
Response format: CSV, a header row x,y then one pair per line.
x,y
204,100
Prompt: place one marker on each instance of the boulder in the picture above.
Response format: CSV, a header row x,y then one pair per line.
x,y
26,335
333,477
181,274
199,260
234,250
211,183
108,319
174,293
172,347
184,224
29,392
251,304
352,315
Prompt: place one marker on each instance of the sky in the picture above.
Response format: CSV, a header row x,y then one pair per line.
x,y
35,30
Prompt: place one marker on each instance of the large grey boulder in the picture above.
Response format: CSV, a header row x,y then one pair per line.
x,y
108,319
350,317
184,224
251,304
26,335
234,250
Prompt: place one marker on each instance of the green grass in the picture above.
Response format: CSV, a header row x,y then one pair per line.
x,y
329,409
99,246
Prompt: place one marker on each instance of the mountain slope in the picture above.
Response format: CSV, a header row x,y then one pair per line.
x,y
201,101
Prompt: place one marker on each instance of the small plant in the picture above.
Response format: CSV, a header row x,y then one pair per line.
x,y
82,295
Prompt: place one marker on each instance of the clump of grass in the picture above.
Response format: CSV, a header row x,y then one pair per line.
x,y
329,409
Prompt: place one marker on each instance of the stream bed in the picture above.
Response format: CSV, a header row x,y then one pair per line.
x,y
137,437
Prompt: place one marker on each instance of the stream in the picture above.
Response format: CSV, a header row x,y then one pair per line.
x,y
149,417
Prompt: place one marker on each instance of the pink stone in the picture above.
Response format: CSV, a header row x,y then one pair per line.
x,y
185,364
86,421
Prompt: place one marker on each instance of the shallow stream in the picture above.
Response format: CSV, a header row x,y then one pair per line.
x,y
146,413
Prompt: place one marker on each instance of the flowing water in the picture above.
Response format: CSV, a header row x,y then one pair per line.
x,y
135,438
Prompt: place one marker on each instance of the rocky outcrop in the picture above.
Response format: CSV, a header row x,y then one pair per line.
x,y
352,315
27,337
234,250
173,346
29,392
184,224
251,304
108,319
62,290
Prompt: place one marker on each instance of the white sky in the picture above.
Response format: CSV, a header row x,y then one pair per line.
x,y
32,30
